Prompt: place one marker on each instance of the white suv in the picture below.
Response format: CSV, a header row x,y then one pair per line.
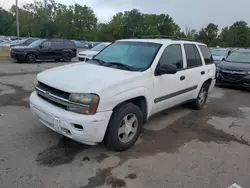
x,y
109,97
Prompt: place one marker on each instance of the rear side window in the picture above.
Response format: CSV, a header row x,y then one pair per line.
x,y
57,44
193,56
208,58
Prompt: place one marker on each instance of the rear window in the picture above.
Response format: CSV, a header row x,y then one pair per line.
x,y
208,58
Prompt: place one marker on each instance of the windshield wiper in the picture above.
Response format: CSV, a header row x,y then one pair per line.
x,y
101,62
122,65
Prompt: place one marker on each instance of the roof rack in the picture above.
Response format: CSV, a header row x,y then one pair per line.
x,y
163,37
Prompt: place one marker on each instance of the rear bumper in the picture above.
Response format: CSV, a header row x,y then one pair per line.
x,y
92,127
212,85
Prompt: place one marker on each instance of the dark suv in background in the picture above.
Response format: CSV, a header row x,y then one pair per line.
x,y
45,49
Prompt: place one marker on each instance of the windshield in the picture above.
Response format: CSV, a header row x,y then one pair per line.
x,y
99,47
218,52
239,57
36,43
138,55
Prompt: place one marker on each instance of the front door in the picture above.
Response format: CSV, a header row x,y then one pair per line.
x,y
45,51
170,89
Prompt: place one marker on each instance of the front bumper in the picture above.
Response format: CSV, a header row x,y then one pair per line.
x,y
243,81
17,56
84,57
67,123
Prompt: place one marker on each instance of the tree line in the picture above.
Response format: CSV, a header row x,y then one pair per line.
x,y
48,19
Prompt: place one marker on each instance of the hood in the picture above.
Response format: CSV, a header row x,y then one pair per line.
x,y
235,66
89,53
218,58
84,77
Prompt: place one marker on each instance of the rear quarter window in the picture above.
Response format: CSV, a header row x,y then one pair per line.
x,y
69,44
208,58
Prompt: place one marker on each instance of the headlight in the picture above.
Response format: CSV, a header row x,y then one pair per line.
x,y
217,69
88,103
249,72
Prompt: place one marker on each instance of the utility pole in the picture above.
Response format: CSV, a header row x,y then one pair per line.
x,y
17,20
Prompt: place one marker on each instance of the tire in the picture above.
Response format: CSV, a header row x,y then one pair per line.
x,y
66,57
57,59
30,58
130,113
201,99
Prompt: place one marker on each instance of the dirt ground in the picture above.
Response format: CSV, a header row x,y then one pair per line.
x,y
178,148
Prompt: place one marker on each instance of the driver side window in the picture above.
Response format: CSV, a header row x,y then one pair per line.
x,y
172,55
46,44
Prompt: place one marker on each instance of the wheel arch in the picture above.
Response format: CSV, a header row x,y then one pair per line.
x,y
139,101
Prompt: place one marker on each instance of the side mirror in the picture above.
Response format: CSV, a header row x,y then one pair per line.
x,y
166,69
223,59
40,46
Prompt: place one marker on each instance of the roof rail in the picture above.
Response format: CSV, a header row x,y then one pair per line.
x,y
163,37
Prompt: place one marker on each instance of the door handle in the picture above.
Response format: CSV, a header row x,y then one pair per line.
x,y
202,72
182,78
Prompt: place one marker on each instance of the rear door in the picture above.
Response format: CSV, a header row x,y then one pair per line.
x,y
196,72
57,48
209,63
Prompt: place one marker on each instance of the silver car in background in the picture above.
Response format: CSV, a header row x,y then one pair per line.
x,y
220,54
88,54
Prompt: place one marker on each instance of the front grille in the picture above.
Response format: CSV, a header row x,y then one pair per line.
x,y
53,102
43,90
57,97
53,91
232,76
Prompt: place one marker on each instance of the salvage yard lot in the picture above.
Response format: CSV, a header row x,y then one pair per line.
x,y
178,148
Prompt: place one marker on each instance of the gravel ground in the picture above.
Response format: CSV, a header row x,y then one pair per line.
x,y
178,148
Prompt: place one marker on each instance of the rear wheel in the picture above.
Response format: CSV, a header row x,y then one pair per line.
x,y
66,57
201,99
30,58
124,127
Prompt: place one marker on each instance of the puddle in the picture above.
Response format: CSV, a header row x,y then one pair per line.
x,y
64,152
99,179
131,176
193,126
99,158
15,98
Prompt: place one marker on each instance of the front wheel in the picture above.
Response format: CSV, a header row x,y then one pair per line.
x,y
201,99
66,57
30,58
124,127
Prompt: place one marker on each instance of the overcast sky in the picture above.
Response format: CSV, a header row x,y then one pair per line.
x,y
193,13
